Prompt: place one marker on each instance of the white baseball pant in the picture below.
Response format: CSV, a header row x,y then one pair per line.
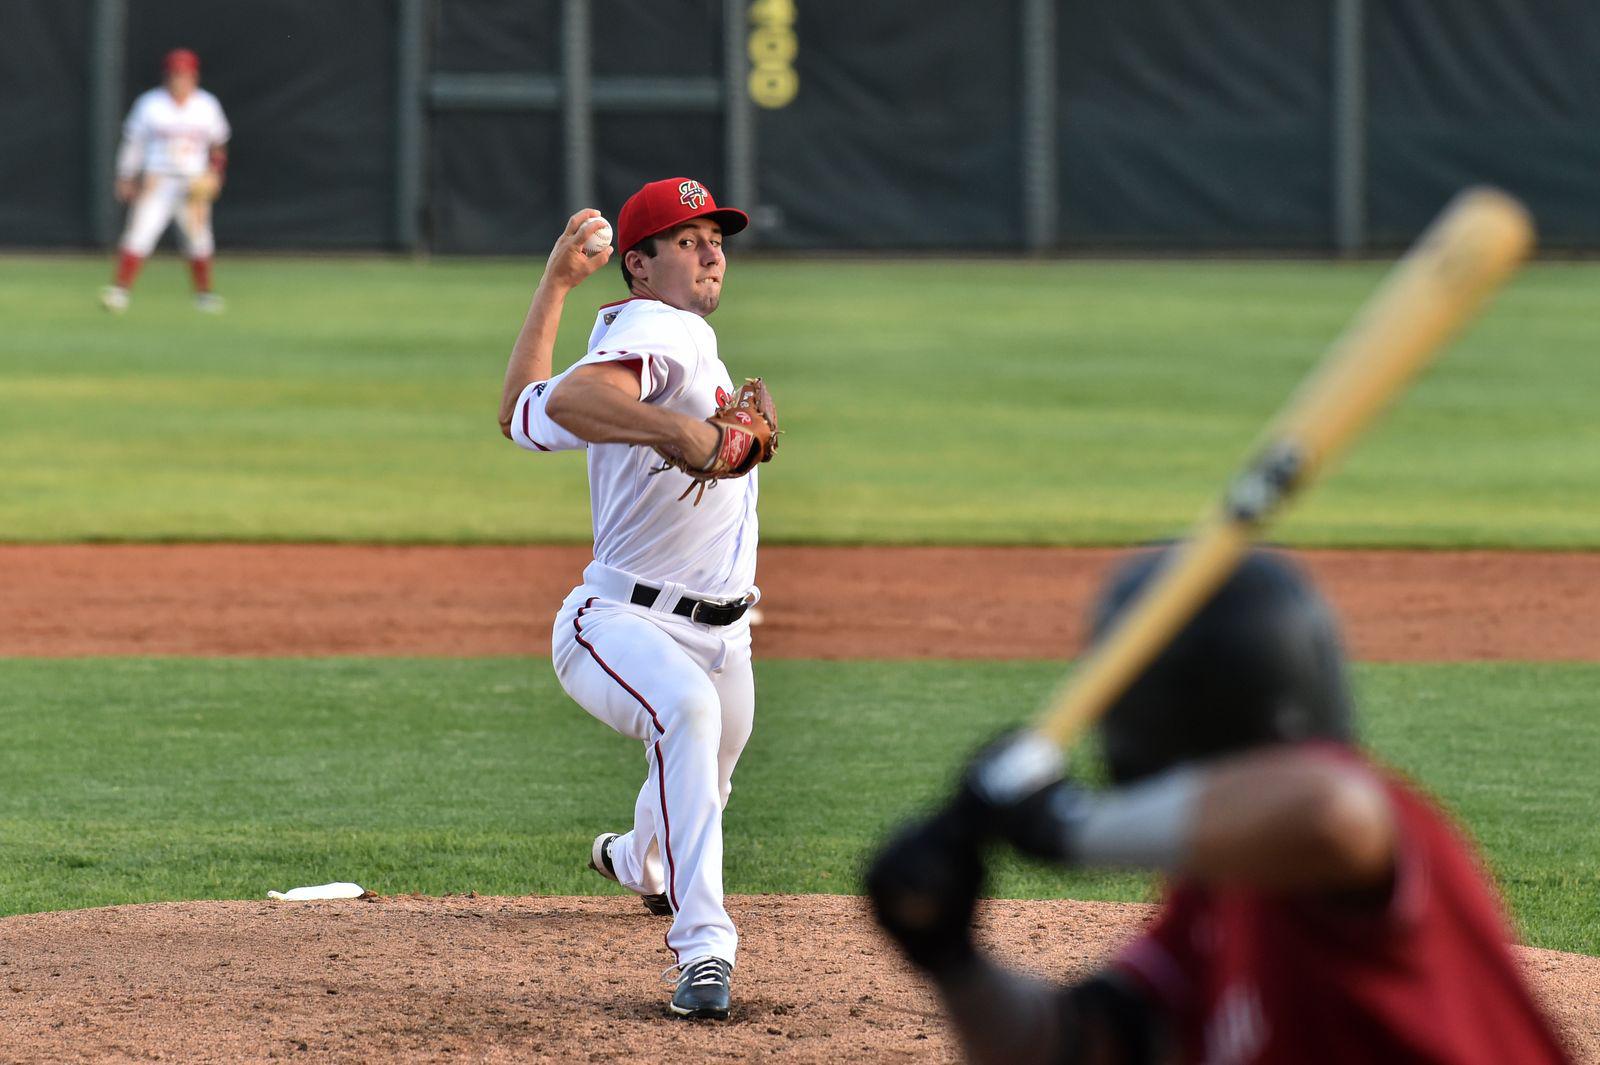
x,y
687,692
161,197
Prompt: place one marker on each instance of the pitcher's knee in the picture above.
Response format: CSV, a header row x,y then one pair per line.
x,y
695,717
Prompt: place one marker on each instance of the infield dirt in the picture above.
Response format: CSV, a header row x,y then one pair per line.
x,y
569,979
818,602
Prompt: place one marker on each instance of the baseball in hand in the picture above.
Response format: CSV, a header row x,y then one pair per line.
x,y
599,237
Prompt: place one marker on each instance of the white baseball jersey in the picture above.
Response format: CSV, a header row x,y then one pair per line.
x,y
162,136
640,526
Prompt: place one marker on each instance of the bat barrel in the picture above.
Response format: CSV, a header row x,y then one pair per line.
x,y
1447,276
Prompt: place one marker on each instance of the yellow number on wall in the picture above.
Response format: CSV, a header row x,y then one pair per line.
x,y
773,47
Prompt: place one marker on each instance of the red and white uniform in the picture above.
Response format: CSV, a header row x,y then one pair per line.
x,y
682,688
170,144
1249,977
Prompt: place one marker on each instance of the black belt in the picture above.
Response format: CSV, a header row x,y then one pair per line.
x,y
705,611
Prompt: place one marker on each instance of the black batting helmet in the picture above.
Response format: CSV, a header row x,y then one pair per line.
x,y
1260,663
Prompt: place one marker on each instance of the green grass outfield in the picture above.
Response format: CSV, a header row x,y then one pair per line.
x,y
125,780
955,401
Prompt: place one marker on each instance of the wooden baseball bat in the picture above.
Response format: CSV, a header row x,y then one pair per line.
x,y
1446,277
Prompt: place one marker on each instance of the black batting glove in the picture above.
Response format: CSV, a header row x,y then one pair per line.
x,y
1015,787
924,886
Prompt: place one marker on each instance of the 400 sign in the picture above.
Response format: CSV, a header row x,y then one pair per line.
x,y
773,47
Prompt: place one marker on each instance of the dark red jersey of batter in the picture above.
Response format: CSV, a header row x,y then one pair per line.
x,y
1258,978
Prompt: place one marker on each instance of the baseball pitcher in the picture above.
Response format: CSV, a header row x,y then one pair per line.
x,y
655,641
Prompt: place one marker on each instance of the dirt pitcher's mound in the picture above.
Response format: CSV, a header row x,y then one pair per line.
x,y
547,979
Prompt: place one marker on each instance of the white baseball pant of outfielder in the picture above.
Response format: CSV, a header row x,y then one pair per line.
x,y
160,202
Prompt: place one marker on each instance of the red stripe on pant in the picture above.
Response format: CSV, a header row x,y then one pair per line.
x,y
661,764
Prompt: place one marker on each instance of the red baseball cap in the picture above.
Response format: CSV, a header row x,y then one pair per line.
x,y
663,204
181,60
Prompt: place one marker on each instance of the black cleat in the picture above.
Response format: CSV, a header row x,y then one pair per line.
x,y
703,990
600,862
600,856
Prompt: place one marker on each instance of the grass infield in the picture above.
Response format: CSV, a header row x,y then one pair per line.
x,y
935,402
127,780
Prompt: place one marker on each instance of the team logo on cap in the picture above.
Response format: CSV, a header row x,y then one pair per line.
x,y
692,194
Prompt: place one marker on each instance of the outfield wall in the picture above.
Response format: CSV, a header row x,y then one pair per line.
x,y
474,126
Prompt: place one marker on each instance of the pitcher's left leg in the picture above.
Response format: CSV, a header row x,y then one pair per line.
x,y
631,672
735,684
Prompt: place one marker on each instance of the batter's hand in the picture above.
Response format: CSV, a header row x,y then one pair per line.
x,y
924,886
568,265
1016,788
126,189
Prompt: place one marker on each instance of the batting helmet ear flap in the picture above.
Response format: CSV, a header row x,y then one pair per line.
x,y
1259,663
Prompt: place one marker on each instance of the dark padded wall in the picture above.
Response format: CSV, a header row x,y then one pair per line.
x,y
308,87
639,148
1181,123
497,37
651,39
1194,122
905,130
496,180
1503,91
495,176
44,122
645,39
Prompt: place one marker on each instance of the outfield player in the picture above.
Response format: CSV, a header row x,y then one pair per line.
x,y
655,641
1320,909
170,165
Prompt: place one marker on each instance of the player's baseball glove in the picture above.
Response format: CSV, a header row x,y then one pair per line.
x,y
205,188
747,427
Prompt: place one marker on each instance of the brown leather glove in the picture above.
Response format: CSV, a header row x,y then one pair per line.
x,y
747,433
205,188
